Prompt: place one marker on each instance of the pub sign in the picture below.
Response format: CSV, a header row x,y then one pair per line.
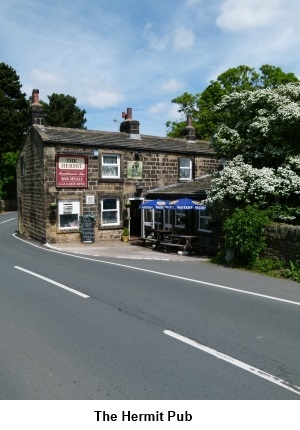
x,y
71,171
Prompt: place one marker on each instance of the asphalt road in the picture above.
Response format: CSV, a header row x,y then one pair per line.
x,y
84,327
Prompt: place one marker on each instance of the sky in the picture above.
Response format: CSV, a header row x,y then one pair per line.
x,y
141,54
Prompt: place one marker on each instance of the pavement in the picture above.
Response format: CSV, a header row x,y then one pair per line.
x,y
118,249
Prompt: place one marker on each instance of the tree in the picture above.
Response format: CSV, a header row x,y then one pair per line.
x,y
261,125
241,184
13,110
8,187
63,112
13,123
201,106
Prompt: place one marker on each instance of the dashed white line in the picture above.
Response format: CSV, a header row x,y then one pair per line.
x,y
53,282
231,360
11,219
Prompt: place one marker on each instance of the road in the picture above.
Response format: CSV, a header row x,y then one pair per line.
x,y
75,327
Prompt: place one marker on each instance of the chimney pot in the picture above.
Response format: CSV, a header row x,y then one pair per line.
x,y
129,113
36,112
130,126
35,96
189,121
189,131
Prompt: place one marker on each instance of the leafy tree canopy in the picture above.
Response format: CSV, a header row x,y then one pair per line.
x,y
13,110
201,106
263,125
61,111
8,187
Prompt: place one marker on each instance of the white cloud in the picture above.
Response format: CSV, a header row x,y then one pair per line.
x,y
104,99
44,77
156,43
239,15
168,110
171,85
183,38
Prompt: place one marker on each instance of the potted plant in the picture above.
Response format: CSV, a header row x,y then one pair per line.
x,y
125,234
127,204
53,206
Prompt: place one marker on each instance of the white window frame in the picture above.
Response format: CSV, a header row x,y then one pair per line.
x,y
114,165
167,213
203,215
178,214
70,210
117,210
185,169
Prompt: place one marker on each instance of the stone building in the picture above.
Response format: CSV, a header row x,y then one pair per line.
x,y
64,174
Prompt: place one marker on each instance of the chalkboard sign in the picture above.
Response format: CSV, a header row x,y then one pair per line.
x,y
87,229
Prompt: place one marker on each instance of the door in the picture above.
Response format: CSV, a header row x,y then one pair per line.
x,y
135,218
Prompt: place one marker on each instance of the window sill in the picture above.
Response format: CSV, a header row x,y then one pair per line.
x,y
109,227
108,180
67,230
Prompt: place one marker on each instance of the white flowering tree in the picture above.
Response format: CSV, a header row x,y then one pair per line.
x,y
240,184
262,125
260,134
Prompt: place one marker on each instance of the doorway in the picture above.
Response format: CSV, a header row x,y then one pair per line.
x,y
135,218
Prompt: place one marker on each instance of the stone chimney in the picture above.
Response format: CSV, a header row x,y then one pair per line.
x,y
189,131
129,125
36,111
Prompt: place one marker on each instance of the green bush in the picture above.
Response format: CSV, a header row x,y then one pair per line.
x,y
269,266
243,233
293,271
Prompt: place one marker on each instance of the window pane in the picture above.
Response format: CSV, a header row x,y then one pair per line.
x,y
109,204
185,173
68,221
110,159
110,171
185,162
148,215
109,217
204,224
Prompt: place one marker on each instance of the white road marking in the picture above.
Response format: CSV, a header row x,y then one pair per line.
x,y
196,281
53,282
231,360
11,219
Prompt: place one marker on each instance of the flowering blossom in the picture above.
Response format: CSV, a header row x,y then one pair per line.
x,y
263,125
241,183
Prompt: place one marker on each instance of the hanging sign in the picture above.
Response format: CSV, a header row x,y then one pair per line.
x,y
71,171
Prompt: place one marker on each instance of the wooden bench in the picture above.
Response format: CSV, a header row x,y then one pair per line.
x,y
165,245
149,239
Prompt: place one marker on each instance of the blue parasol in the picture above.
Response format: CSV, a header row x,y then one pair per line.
x,y
154,204
185,204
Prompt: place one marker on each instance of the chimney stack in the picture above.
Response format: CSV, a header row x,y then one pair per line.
x,y
129,125
36,111
189,131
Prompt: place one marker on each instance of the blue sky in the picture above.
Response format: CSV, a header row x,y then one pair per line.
x,y
113,54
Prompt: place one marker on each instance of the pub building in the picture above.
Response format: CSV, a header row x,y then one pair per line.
x,y
68,175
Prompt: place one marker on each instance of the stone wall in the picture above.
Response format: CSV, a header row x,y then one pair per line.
x,y
283,241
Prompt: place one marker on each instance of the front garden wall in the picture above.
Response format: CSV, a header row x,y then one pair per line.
x,y
283,241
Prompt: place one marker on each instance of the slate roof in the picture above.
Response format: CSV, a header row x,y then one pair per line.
x,y
197,188
120,140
